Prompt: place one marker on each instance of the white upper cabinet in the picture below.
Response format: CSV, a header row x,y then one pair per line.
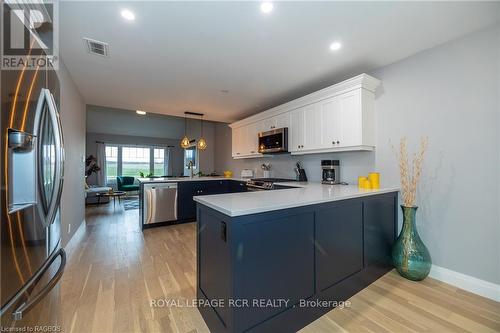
x,y
245,142
236,139
279,121
305,130
337,118
282,120
268,124
252,139
296,130
342,121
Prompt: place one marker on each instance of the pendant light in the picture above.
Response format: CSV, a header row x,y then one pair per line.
x,y
185,140
202,144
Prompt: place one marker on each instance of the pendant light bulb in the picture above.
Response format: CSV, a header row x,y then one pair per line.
x,y
185,142
202,144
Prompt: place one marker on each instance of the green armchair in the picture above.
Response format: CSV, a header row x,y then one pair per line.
x,y
126,184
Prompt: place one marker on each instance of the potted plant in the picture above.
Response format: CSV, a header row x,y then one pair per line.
x,y
91,166
410,256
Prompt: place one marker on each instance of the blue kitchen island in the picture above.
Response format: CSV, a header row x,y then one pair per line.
x,y
274,261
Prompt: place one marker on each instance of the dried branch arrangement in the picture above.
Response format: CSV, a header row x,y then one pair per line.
x,y
410,176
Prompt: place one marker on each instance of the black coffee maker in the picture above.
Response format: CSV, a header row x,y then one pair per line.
x,y
331,172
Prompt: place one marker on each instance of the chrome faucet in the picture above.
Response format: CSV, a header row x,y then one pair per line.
x,y
190,166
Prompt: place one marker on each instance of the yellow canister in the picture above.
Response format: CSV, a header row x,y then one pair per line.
x,y
374,178
228,174
363,182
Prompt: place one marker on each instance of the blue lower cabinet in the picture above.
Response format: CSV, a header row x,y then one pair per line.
x,y
237,186
275,261
214,259
379,236
339,243
186,206
266,272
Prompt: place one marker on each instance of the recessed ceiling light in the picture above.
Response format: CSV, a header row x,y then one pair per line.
x,y
128,15
335,46
142,113
266,7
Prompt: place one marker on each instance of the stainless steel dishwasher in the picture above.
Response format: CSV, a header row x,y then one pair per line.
x,y
160,202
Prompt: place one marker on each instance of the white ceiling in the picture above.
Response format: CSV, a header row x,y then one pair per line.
x,y
178,56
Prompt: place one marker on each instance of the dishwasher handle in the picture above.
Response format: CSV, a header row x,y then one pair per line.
x,y
159,186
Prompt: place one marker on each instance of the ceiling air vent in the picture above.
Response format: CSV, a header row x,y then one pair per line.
x,y
96,47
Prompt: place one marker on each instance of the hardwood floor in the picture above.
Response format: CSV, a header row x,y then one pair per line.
x,y
114,271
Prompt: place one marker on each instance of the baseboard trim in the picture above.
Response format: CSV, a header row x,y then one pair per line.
x,y
474,285
77,236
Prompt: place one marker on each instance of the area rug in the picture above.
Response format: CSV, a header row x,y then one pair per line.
x,y
130,203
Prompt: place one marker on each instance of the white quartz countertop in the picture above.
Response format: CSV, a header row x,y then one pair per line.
x,y
245,203
184,179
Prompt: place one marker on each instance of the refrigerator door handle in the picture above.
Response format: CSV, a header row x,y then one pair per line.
x,y
33,301
53,202
60,140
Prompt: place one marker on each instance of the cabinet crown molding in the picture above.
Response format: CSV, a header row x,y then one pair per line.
x,y
363,81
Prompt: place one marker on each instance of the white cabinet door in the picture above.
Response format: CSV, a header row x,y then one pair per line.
x,y
252,138
351,125
313,137
283,120
331,122
279,121
305,128
245,141
268,124
236,137
296,130
341,120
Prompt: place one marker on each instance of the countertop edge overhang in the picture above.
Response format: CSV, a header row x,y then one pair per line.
x,y
185,179
246,203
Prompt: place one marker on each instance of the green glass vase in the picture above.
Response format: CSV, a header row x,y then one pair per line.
x,y
409,254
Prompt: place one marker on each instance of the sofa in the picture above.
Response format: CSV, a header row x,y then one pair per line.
x,y
91,194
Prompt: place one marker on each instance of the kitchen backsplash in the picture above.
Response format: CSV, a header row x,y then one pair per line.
x,y
352,164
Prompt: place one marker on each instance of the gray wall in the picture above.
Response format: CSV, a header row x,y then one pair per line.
x,y
450,94
118,121
498,110
73,123
109,125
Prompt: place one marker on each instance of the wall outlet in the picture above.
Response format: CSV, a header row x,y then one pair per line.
x,y
69,228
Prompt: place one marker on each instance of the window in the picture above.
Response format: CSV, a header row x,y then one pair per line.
x,y
135,160
190,156
159,165
132,161
111,162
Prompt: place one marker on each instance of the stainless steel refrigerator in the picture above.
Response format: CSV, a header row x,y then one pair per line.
x,y
32,160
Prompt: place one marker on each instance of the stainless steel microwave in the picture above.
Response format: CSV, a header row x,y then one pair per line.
x,y
275,141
